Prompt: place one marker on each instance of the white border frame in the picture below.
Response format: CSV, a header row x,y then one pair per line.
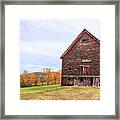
x,y
116,73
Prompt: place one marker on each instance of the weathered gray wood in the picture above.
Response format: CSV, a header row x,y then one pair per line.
x,y
81,60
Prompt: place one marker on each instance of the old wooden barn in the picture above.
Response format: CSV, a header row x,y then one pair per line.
x,y
81,61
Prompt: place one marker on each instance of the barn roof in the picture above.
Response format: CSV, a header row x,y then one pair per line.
x,y
78,37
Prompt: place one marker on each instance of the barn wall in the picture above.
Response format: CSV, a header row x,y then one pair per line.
x,y
82,50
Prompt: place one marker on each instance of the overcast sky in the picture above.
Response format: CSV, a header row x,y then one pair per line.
x,y
42,42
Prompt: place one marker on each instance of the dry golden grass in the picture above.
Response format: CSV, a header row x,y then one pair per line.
x,y
57,92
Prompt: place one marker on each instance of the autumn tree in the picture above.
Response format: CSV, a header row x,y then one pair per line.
x,y
40,78
22,82
47,75
32,79
24,79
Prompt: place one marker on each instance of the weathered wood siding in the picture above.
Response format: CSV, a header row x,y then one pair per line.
x,y
85,48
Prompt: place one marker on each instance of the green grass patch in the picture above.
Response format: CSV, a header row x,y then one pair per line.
x,y
39,88
57,92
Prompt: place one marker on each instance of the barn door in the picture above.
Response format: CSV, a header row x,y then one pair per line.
x,y
84,70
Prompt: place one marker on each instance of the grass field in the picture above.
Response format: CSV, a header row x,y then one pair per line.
x,y
57,92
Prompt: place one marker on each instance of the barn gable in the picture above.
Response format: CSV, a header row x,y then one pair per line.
x,y
81,61
83,35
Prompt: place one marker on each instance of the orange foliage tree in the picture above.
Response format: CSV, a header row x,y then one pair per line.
x,y
40,78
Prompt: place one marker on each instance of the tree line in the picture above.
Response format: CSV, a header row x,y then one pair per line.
x,y
46,77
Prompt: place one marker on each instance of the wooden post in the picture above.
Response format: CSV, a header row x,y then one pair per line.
x,y
93,81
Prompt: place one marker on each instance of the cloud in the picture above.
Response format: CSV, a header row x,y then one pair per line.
x,y
45,48
36,68
42,42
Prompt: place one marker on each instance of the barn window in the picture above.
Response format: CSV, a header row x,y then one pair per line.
x,y
68,78
81,79
84,40
69,68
